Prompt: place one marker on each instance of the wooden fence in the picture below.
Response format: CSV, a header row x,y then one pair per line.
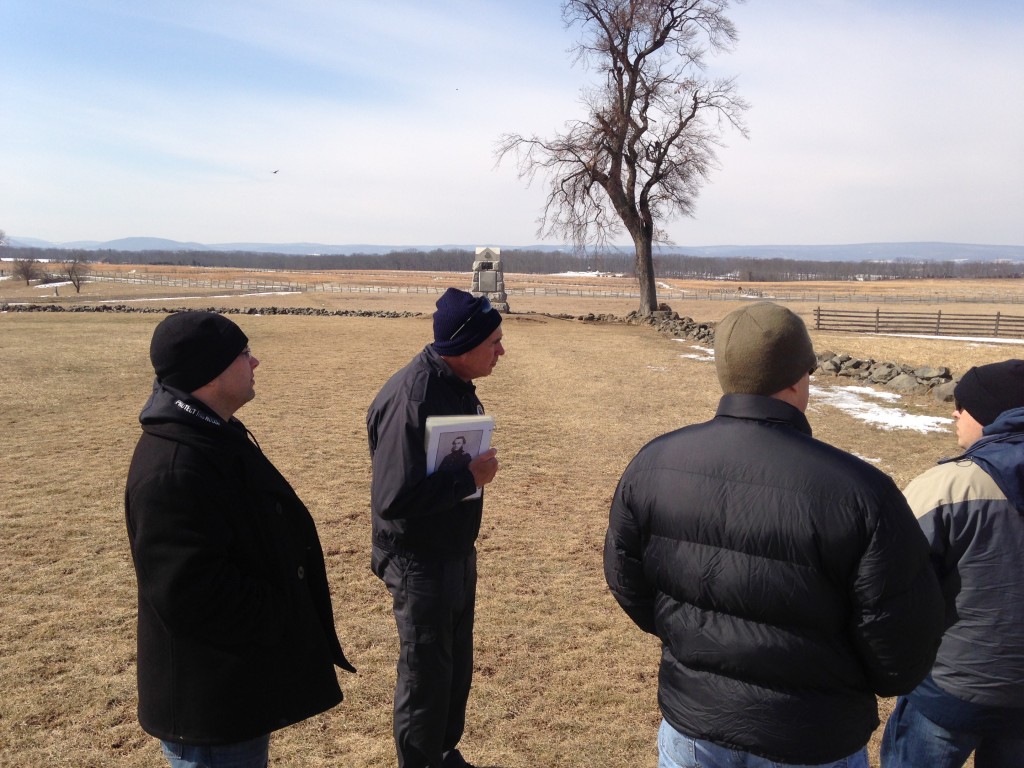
x,y
925,323
173,281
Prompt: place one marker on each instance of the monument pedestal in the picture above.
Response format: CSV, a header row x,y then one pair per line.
x,y
489,278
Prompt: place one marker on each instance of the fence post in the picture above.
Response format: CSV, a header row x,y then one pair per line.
x,y
817,318
877,318
938,323
997,325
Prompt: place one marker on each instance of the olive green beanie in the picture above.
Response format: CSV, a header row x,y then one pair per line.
x,y
761,349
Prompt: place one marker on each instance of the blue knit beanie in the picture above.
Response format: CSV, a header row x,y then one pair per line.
x,y
462,321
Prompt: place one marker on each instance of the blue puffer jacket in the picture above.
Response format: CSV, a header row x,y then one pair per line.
x,y
971,508
787,580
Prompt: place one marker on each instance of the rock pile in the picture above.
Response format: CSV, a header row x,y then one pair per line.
x,y
666,321
899,377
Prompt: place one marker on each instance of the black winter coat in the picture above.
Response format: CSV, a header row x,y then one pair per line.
x,y
236,632
413,514
788,581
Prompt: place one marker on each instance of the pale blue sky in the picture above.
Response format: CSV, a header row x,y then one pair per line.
x,y
870,121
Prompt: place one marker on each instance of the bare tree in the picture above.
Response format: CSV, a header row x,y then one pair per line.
x,y
27,270
655,122
73,268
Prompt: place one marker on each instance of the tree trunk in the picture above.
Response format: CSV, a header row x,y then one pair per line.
x,y
645,272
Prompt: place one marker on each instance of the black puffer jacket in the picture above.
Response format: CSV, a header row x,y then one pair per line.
x,y
236,633
414,514
788,581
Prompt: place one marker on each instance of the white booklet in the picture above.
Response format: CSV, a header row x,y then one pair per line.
x,y
454,441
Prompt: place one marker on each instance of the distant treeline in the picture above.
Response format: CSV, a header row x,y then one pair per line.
x,y
551,262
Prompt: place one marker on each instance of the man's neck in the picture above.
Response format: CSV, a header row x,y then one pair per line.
x,y
457,368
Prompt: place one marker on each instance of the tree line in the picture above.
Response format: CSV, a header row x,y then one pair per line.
x,y
534,261
745,269
530,261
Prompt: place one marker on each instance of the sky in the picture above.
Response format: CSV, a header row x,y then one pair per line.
x,y
870,121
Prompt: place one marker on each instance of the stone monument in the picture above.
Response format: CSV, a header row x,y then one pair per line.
x,y
489,279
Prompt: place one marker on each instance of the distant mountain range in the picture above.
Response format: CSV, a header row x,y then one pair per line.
x,y
854,252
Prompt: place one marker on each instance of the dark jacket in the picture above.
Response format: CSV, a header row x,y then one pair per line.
x,y
414,514
787,580
971,508
236,633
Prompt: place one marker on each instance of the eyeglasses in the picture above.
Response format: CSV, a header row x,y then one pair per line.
x,y
483,309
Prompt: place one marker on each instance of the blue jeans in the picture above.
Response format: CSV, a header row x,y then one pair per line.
x,y
914,740
677,750
254,753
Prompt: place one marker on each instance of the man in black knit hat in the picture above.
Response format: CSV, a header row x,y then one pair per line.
x,y
425,529
786,579
971,508
236,634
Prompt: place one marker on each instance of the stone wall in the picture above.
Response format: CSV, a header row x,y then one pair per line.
x,y
307,311
899,377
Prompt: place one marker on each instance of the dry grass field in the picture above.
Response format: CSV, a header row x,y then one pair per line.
x,y
562,677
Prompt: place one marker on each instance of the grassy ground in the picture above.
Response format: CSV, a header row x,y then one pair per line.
x,y
562,677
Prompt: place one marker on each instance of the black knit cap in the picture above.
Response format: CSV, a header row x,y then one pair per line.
x,y
462,321
190,349
985,391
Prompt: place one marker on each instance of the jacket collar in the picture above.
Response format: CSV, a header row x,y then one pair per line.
x,y
438,364
167,405
1000,452
762,408
1008,423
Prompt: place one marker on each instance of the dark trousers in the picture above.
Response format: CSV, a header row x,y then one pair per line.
x,y
434,604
